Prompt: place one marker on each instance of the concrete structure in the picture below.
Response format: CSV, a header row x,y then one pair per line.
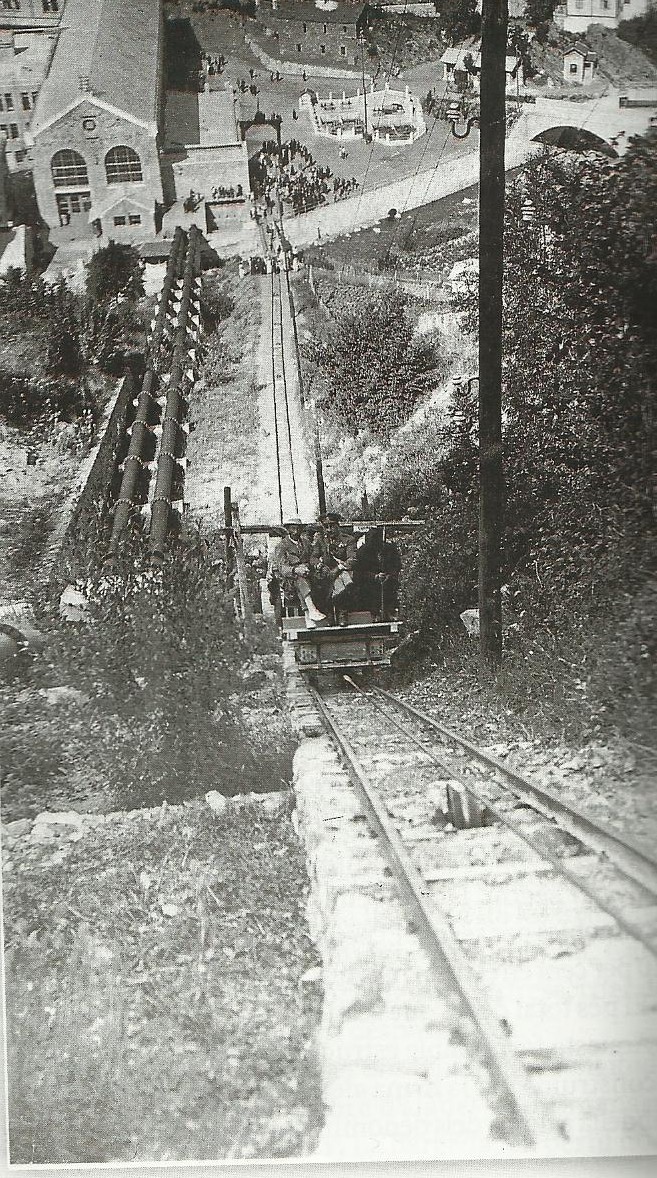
x,y
575,16
579,64
322,34
16,249
5,211
31,14
455,67
96,128
214,166
392,116
24,62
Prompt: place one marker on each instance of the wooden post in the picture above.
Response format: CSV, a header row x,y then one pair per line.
x,y
228,523
491,269
319,468
242,581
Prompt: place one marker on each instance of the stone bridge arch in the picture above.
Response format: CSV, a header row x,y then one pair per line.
x,y
574,138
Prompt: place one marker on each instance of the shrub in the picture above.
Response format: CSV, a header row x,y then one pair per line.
x,y
373,369
115,270
158,714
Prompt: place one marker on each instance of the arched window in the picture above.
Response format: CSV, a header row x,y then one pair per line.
x,y
122,165
69,170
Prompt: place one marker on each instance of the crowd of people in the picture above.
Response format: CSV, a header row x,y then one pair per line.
x,y
324,572
221,192
344,188
213,63
289,172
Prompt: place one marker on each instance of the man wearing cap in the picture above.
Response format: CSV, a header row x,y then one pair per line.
x,y
377,570
291,566
332,557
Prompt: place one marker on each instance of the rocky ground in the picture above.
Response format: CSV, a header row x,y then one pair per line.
x,y
161,984
36,474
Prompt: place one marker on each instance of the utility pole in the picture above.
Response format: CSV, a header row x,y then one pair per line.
x,y
492,125
362,62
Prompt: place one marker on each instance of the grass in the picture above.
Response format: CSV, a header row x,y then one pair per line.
x,y
154,1003
224,445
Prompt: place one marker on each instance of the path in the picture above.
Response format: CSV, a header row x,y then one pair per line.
x,y
286,482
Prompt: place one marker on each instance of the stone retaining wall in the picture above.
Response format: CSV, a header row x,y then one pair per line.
x,y
396,1084
299,68
65,554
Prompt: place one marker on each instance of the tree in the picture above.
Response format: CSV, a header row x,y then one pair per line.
x,y
115,270
642,32
459,19
580,367
520,45
372,367
538,12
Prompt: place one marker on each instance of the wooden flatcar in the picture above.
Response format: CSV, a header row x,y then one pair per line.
x,y
361,643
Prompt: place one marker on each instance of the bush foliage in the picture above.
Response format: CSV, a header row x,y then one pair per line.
x,y
371,367
113,271
154,684
580,363
73,336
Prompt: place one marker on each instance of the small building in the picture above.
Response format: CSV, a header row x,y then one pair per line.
x,y
455,66
321,34
96,127
212,164
579,64
24,61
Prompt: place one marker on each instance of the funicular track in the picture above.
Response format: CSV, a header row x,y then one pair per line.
x,y
153,467
542,921
286,458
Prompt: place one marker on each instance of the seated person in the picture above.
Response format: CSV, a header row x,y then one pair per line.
x,y
376,573
333,556
290,566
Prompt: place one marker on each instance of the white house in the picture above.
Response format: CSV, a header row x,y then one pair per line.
x,y
575,16
454,64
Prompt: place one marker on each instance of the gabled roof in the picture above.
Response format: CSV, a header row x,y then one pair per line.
x,y
582,50
108,50
457,55
113,198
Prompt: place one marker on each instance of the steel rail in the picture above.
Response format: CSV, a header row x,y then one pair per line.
x,y
286,396
629,856
454,773
273,388
534,1124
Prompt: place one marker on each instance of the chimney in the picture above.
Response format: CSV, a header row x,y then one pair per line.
x,y
84,83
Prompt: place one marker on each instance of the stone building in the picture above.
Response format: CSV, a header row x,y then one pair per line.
x,y
320,34
24,61
579,64
95,132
